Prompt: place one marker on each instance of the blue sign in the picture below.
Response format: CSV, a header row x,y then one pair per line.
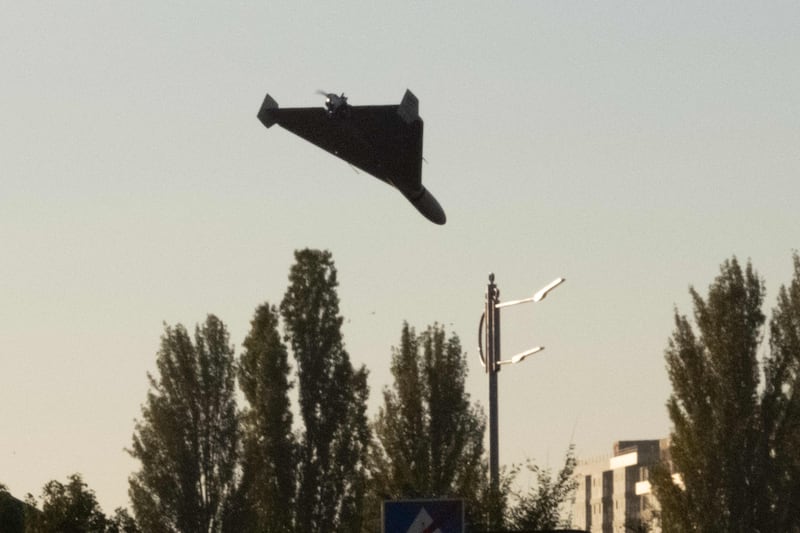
x,y
423,516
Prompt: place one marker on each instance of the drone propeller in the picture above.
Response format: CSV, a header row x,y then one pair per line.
x,y
331,95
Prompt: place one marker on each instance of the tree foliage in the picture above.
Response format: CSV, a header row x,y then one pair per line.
x,y
780,408
187,439
428,435
268,462
331,453
65,508
731,441
121,522
70,508
12,512
541,508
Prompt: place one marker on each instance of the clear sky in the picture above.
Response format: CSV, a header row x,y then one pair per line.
x,y
629,147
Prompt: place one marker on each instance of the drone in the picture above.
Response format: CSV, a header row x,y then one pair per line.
x,y
384,141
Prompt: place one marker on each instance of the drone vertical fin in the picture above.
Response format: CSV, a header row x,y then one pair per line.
x,y
409,108
267,112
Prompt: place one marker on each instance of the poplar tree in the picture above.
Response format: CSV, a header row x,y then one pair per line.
x,y
331,453
780,408
714,407
734,446
428,434
187,438
268,479
401,460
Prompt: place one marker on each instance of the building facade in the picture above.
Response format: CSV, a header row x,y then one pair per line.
x,y
613,494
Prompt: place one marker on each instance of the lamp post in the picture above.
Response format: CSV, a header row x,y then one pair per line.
x,y
492,363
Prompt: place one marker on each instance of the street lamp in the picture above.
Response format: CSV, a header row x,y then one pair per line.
x,y
538,296
520,357
492,363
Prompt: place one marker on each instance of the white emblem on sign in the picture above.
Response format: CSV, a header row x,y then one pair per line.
x,y
423,523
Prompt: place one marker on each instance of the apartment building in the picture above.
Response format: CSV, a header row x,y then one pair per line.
x,y
613,494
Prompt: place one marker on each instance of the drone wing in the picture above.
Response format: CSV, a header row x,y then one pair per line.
x,y
384,141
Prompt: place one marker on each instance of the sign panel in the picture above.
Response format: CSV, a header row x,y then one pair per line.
x,y
423,516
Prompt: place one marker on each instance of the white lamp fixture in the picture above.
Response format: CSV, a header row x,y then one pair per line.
x,y
540,295
521,356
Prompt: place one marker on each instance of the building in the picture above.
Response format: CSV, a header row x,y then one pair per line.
x,y
613,494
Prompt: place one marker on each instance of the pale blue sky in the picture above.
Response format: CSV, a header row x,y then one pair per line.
x,y
629,147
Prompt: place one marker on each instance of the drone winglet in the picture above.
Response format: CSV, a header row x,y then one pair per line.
x,y
409,107
267,114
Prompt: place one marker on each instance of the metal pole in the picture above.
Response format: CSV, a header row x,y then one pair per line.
x,y
490,338
492,357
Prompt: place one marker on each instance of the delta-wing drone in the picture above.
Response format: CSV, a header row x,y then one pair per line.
x,y
382,140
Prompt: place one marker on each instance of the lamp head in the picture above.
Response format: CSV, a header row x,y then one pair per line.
x,y
522,356
544,291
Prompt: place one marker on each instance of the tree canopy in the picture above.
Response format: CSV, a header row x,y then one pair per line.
x,y
206,467
187,440
12,512
733,443
428,434
270,450
331,453
542,507
67,508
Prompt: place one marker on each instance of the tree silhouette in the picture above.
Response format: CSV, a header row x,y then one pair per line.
x,y
734,446
187,440
331,460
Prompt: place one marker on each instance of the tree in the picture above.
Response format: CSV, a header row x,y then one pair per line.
x,y
70,508
121,522
731,445
188,437
714,407
780,410
541,508
268,479
331,458
12,512
428,435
